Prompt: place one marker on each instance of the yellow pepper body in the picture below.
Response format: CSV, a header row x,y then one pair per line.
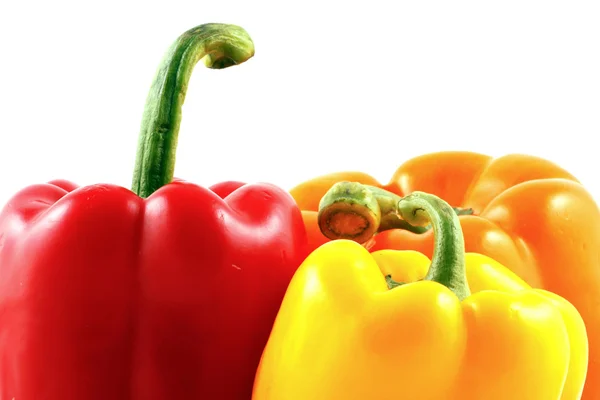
x,y
341,333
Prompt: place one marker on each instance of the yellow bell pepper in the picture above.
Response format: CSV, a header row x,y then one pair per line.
x,y
461,327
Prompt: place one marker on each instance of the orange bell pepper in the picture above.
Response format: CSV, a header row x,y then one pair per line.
x,y
461,327
527,213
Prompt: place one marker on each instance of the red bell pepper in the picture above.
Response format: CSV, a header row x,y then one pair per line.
x,y
168,291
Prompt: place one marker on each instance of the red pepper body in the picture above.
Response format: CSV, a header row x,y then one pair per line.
x,y
106,295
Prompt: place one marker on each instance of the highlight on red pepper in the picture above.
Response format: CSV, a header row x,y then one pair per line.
x,y
527,213
462,327
168,291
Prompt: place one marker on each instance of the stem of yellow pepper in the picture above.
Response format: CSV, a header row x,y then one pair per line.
x,y
221,46
448,262
351,210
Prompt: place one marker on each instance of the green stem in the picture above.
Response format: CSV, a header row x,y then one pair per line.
x,y
351,210
388,203
222,46
448,262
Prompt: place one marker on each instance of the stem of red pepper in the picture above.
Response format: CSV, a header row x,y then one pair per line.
x,y
221,46
351,210
448,262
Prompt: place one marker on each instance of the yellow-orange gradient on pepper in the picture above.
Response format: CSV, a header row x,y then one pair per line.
x,y
529,214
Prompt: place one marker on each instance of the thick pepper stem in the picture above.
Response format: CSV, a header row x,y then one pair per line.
x,y
351,210
222,46
448,262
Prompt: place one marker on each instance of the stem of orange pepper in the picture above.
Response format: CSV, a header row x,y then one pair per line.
x,y
351,210
221,46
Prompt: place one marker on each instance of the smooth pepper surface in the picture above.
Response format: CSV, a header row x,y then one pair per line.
x,y
344,332
168,291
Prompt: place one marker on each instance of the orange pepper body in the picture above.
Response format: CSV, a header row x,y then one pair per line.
x,y
342,334
529,214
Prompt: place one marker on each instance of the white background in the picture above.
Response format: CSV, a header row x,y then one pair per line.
x,y
333,86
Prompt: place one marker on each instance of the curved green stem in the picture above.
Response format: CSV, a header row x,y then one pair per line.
x,y
448,262
388,202
222,46
351,210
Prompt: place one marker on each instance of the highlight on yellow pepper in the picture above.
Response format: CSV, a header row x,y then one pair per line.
x,y
395,325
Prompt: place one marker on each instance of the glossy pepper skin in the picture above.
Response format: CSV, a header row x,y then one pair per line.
x,y
168,291
528,214
345,332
